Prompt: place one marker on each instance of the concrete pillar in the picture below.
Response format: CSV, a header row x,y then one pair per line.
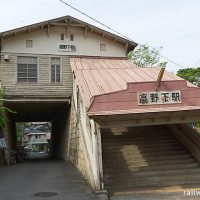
x,y
100,184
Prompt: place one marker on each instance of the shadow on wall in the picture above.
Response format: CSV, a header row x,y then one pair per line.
x,y
60,134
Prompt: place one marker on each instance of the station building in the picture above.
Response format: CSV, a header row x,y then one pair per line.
x,y
124,128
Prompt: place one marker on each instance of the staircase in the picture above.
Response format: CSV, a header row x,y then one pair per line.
x,y
146,158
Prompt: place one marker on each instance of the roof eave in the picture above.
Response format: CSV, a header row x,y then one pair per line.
x,y
130,45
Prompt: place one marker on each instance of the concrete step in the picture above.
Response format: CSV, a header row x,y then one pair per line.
x,y
110,158
136,136
147,168
155,181
145,148
158,173
140,142
142,162
146,157
137,152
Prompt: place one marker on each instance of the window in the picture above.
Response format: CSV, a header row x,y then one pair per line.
x,y
102,47
62,36
26,69
71,37
55,70
29,43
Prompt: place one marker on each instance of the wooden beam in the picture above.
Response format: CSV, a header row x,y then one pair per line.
x,y
66,29
159,79
114,39
85,32
126,46
59,24
68,21
147,121
91,30
1,44
77,25
48,31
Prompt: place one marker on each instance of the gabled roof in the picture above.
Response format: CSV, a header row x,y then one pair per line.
x,y
69,21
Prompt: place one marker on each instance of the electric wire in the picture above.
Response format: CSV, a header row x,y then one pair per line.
x,y
118,33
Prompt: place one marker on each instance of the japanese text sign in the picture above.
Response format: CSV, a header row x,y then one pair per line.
x,y
159,97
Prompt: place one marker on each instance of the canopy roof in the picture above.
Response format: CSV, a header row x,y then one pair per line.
x,y
109,86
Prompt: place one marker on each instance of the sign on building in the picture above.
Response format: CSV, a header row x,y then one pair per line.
x,y
68,48
159,97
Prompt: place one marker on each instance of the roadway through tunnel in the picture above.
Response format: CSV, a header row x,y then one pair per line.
x,y
55,112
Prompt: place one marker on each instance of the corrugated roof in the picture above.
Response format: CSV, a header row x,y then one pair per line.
x,y
97,76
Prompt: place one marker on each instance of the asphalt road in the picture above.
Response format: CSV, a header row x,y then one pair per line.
x,y
35,178
40,177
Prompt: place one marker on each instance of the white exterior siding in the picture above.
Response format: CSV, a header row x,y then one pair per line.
x,y
86,44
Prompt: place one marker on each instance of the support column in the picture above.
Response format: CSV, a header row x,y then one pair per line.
x,y
8,138
102,194
99,159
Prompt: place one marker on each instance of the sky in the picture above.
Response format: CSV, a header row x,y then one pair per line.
x,y
172,24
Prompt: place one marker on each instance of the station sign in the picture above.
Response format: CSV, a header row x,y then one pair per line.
x,y
159,97
66,47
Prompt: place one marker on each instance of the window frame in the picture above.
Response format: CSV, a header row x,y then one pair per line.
x,y
102,47
26,68
55,71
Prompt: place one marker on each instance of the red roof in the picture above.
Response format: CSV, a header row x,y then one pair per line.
x,y
101,77
97,76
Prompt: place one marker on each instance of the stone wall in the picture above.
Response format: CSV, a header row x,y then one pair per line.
x,y
77,151
43,87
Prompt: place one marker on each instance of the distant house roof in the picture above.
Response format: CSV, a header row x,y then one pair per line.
x,y
32,131
42,127
69,21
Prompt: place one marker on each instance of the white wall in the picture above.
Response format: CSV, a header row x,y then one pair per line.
x,y
44,44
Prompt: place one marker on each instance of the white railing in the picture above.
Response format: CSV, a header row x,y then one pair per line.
x,y
38,141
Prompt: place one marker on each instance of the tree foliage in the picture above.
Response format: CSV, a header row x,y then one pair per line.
x,y
3,109
190,74
144,56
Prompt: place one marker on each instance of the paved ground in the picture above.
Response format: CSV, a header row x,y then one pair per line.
x,y
169,196
22,181
173,194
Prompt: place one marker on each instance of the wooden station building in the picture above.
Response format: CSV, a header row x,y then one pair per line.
x,y
121,128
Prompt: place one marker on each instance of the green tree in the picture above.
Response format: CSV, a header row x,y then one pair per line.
x,y
3,109
190,74
144,56
193,76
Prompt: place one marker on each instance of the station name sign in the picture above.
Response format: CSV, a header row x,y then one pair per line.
x,y
159,97
66,47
